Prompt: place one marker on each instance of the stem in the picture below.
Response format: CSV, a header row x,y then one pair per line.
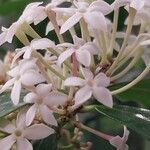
x,y
95,132
134,82
133,62
37,55
113,37
84,30
52,17
132,13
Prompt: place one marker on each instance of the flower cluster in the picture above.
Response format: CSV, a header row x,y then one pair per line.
x,y
59,78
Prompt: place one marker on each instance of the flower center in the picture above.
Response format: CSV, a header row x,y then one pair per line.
x,y
39,101
90,82
18,133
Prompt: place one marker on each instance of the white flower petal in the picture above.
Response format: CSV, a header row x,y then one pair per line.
x,y
116,141
74,81
87,74
78,41
103,95
31,78
43,43
49,28
43,89
30,115
27,54
136,4
37,132
7,85
63,56
70,22
47,115
102,80
101,6
84,57
30,98
24,144
21,118
96,20
91,47
55,99
82,95
2,38
15,93
7,142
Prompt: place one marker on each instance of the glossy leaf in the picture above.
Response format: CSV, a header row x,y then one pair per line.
x,y
8,7
6,105
49,143
137,119
139,93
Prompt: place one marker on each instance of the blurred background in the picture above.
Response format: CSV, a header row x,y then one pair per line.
x,y
9,12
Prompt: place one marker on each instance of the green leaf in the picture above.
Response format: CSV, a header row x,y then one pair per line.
x,y
139,93
137,119
9,7
49,143
6,105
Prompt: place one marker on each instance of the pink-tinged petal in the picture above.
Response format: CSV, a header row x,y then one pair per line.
x,y
43,89
47,115
21,118
82,95
37,132
30,115
91,47
7,142
8,127
87,74
69,11
2,38
125,134
13,72
43,43
49,28
71,22
102,80
84,57
78,41
136,4
145,43
96,20
7,85
55,99
18,55
24,144
11,32
31,78
26,65
101,6
74,81
27,54
116,141
63,56
119,3
103,95
30,98
15,93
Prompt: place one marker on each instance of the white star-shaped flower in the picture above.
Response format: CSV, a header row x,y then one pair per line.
x,y
92,13
21,134
42,100
120,143
82,50
26,74
91,85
